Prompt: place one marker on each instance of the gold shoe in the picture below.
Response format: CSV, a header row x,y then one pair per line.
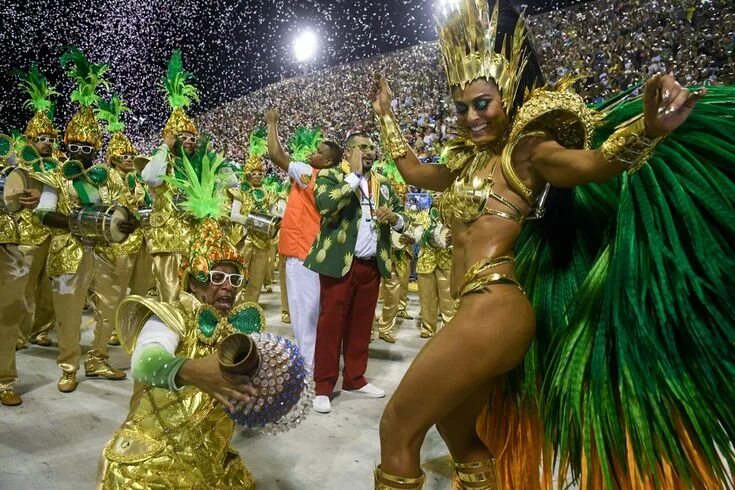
x,y
426,335
285,317
482,475
386,481
114,340
268,289
10,398
405,315
388,337
68,382
20,345
95,366
41,339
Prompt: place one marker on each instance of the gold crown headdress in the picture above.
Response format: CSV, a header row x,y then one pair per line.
x,y
119,143
83,126
39,98
179,95
258,146
468,39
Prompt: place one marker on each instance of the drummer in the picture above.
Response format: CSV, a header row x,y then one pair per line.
x,y
73,264
254,197
394,290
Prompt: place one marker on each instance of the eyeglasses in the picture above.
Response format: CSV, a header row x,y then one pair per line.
x,y
45,139
256,174
364,146
187,139
86,149
126,158
218,278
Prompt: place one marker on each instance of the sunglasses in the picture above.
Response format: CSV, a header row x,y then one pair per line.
x,y
218,278
187,139
126,158
46,139
86,149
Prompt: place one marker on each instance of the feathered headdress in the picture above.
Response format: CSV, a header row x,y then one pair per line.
x,y
304,143
474,45
179,95
258,146
119,143
205,201
84,127
39,93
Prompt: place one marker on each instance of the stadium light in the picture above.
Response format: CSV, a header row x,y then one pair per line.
x,y
305,46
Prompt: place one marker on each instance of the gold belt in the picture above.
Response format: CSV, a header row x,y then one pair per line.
x,y
474,280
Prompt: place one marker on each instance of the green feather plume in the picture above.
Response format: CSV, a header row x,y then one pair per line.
x,y
38,89
88,76
204,198
304,143
110,113
258,142
179,92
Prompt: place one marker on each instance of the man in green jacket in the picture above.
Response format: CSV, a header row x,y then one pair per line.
x,y
351,254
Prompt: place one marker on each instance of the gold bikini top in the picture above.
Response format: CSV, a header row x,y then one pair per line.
x,y
556,112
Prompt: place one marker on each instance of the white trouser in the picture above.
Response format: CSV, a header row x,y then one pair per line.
x,y
303,301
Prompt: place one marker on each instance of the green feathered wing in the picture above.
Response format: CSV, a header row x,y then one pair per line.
x,y
635,348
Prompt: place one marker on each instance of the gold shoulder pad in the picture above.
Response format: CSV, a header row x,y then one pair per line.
x,y
134,312
554,111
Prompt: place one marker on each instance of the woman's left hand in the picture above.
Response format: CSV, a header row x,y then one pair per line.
x,y
666,104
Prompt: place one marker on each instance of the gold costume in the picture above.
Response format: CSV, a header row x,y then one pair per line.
x,y
172,439
394,292
433,267
257,247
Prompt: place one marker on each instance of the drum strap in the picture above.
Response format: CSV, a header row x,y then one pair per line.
x,y
86,193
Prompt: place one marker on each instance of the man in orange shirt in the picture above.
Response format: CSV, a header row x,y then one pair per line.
x,y
300,226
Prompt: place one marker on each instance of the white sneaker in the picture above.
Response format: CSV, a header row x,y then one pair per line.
x,y
322,404
369,391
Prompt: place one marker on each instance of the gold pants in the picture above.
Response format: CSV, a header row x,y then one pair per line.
x,y
282,281
166,275
13,277
38,314
107,299
256,262
142,279
435,298
69,294
393,289
271,261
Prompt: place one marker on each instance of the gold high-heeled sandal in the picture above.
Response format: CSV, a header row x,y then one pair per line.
x,y
482,475
386,481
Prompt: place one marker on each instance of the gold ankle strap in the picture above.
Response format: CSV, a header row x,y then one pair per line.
x,y
405,483
486,473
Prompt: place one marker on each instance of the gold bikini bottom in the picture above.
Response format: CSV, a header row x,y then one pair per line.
x,y
475,279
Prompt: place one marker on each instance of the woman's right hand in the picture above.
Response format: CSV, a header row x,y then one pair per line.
x,y
381,96
205,374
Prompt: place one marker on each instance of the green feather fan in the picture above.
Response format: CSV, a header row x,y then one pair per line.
x,y
204,198
110,113
38,89
258,144
179,91
304,143
635,334
88,76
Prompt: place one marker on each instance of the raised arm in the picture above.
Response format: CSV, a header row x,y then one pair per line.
x,y
666,105
432,177
275,149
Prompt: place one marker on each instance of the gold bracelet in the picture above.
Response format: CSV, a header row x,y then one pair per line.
x,y
392,137
628,145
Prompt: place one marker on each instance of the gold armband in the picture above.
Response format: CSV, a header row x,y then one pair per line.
x,y
392,137
628,145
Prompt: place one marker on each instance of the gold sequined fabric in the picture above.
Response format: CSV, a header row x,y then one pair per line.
x,y
173,439
30,229
84,128
8,229
170,230
179,122
40,124
119,145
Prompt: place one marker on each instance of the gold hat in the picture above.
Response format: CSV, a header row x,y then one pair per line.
x,y
39,98
208,247
257,147
84,127
179,95
468,39
119,143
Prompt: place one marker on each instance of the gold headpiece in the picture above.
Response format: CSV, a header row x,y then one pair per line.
x,y
253,163
468,41
39,98
257,147
208,248
119,145
84,127
179,95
